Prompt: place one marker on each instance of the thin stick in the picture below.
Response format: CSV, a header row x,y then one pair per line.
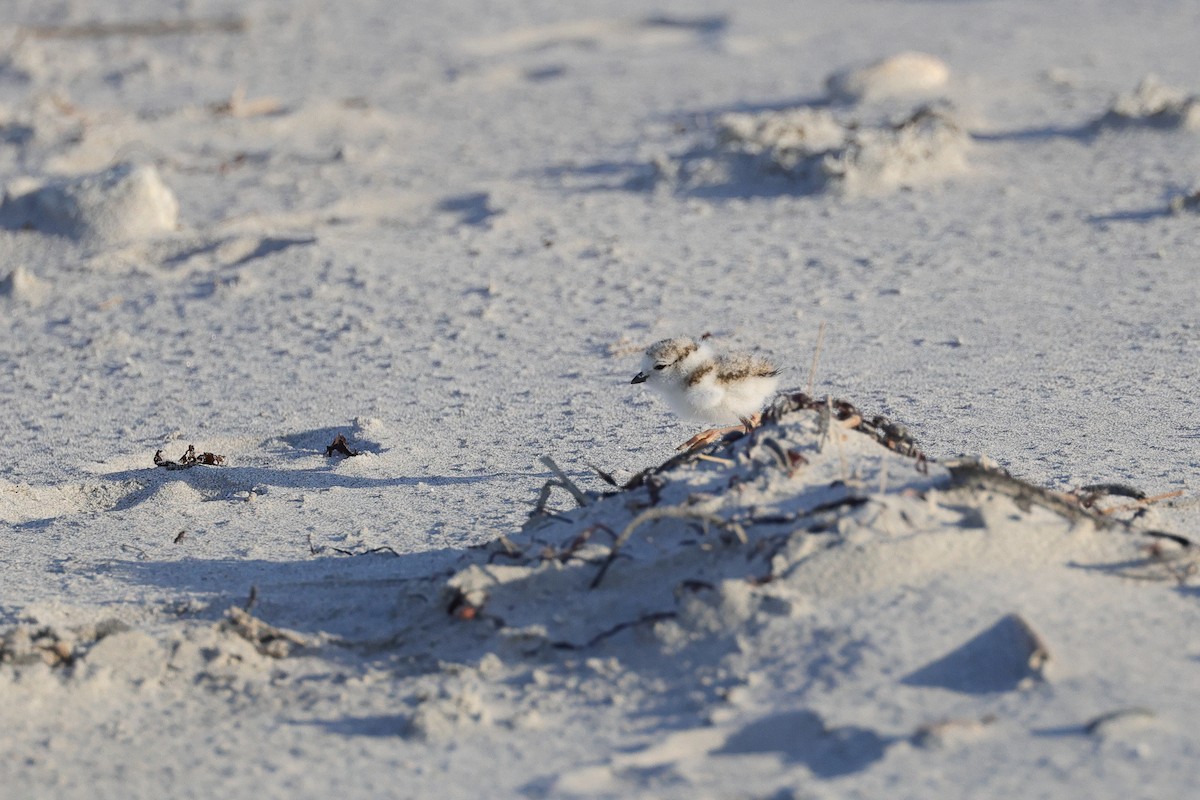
x,y
100,30
812,372
715,459
567,483
1145,501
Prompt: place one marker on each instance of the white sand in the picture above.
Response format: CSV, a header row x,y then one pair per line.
x,y
446,233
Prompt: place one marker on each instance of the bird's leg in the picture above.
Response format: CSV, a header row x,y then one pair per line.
x,y
704,437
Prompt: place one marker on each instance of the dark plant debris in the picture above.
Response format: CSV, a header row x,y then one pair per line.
x,y
189,459
315,549
340,445
656,616
1188,202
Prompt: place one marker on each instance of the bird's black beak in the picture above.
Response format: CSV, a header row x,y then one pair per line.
x,y
639,378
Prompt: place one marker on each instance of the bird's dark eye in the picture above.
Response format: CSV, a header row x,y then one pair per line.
x,y
660,366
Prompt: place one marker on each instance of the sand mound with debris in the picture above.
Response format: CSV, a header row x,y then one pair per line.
x,y
819,150
1154,104
24,287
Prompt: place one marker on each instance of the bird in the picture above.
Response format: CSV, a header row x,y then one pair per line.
x,y
701,385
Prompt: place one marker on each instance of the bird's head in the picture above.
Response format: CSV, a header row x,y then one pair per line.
x,y
668,361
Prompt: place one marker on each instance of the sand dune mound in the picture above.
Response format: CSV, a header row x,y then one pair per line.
x,y
809,509
123,203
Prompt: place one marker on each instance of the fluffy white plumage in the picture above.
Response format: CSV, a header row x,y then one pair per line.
x,y
701,385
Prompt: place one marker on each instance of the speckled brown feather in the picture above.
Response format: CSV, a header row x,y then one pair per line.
x,y
731,369
699,372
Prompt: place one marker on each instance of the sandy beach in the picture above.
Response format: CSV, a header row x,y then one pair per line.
x,y
957,559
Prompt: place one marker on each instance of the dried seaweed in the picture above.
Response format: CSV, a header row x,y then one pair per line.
x,y
1096,490
315,549
891,435
974,473
369,551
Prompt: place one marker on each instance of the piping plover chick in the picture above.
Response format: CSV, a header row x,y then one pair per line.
x,y
700,385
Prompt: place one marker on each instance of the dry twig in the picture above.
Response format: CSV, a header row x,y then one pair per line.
x,y
812,371
656,616
270,641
